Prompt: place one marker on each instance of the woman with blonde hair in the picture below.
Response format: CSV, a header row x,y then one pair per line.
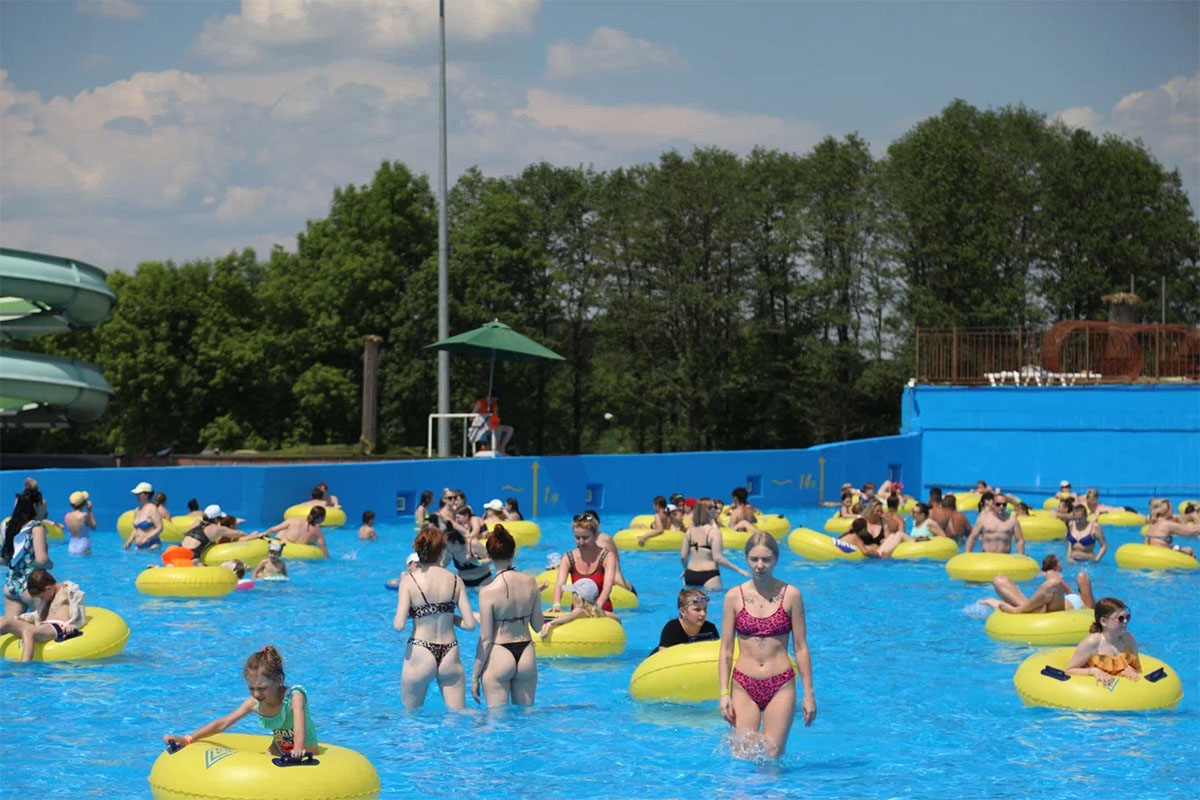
x,y
758,690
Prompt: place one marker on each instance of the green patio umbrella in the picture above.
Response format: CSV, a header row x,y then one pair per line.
x,y
498,341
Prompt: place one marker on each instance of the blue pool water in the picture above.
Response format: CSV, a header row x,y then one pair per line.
x,y
914,699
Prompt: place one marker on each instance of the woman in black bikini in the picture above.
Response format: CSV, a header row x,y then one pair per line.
x,y
433,650
505,665
863,539
701,551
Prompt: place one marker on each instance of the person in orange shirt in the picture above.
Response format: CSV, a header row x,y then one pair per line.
x,y
487,421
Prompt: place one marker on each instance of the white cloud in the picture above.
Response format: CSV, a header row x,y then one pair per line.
x,y
111,9
643,126
1078,117
184,165
607,50
1167,120
266,28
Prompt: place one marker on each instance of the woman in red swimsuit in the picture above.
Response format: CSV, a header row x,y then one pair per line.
x,y
760,689
588,560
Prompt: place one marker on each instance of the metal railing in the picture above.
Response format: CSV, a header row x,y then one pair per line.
x,y
1073,351
466,441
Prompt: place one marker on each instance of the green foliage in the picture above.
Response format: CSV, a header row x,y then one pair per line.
x,y
706,300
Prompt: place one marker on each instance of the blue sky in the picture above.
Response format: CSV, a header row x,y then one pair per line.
x,y
132,131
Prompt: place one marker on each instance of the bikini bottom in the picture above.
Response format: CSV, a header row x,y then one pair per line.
x,y
762,690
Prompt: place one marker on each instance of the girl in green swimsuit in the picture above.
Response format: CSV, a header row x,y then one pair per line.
x,y
281,709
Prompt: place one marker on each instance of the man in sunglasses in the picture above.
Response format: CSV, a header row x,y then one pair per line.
x,y
692,624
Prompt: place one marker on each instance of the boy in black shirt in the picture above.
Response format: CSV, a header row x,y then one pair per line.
x,y
692,625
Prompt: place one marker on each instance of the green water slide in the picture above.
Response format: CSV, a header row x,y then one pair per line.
x,y
42,294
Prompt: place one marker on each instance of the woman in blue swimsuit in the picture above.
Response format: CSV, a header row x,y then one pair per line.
x,y
1083,535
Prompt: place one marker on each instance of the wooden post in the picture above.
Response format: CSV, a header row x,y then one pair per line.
x,y
954,355
917,357
370,392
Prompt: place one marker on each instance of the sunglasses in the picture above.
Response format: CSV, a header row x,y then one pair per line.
x,y
1124,618
699,603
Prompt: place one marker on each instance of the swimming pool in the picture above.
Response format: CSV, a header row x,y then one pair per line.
x,y
914,699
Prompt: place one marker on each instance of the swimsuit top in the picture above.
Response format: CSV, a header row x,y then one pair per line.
x,y
197,533
428,609
778,624
706,546
867,538
1149,535
596,575
22,563
1115,665
144,525
526,618
922,531
283,722
1082,541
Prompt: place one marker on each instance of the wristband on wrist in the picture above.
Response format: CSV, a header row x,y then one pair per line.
x,y
724,692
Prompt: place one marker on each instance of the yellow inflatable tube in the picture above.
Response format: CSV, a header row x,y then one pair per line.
x,y
186,582
1158,687
249,551
1130,519
686,673
1183,504
1050,503
667,540
334,517
641,521
814,546
104,635
938,548
621,597
232,766
524,532
590,637
838,525
1042,528
983,567
1145,556
173,528
302,552
1055,627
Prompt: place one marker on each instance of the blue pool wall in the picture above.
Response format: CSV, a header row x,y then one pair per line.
x,y
565,484
1131,442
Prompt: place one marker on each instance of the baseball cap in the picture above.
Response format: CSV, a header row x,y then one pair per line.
x,y
689,502
494,505
1064,485
275,546
672,507
586,588
77,498
413,558
213,511
142,488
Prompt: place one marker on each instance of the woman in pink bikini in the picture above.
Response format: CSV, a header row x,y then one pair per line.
x,y
759,691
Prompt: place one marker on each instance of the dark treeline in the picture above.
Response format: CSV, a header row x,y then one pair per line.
x,y
707,301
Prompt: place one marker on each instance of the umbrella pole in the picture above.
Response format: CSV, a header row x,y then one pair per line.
x,y
487,401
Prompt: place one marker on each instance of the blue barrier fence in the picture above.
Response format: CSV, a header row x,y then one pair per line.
x,y
544,486
1131,442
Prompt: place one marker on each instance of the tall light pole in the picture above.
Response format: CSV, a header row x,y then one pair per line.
x,y
443,248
